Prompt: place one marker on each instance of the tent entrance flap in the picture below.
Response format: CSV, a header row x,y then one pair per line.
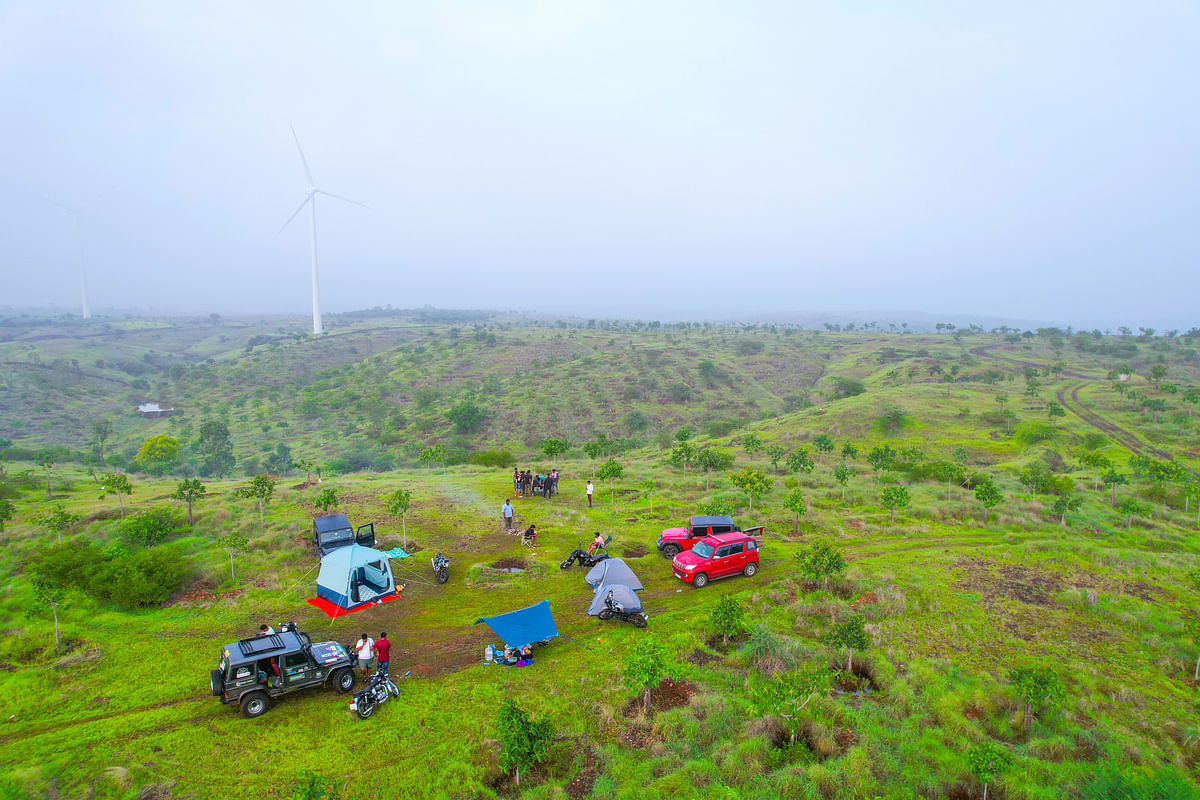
x,y
523,626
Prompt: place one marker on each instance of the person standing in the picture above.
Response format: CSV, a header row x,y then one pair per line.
x,y
589,493
506,511
554,483
383,652
364,647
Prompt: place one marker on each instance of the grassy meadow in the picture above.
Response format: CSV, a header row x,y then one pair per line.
x,y
952,602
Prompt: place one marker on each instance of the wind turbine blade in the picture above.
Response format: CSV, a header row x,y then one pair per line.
x,y
343,199
294,213
53,202
303,160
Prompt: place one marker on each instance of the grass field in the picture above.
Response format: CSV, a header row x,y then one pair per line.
x,y
952,603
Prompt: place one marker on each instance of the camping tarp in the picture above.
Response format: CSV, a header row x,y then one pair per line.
x,y
523,626
623,596
354,575
613,571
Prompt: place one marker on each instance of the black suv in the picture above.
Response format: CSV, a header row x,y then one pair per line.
x,y
253,670
333,531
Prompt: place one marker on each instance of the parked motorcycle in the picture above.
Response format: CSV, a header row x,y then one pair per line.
x,y
441,568
613,610
374,694
583,558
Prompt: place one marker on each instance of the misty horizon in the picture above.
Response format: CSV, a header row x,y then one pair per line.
x,y
606,159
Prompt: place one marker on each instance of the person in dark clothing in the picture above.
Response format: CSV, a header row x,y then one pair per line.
x,y
383,652
546,486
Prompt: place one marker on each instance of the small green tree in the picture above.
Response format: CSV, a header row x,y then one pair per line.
x,y
849,634
987,760
118,484
326,499
46,462
683,454
397,504
646,487
260,488
1112,479
307,465
466,416
881,458
823,443
786,694
7,509
794,503
554,447
1097,461
753,482
800,463
1066,503
1037,687
712,460
988,495
841,474
434,454
729,618
158,453
894,497
645,667
819,561
1132,507
232,543
775,454
949,471
189,490
849,452
1055,410
58,520
599,447
46,595
610,471
524,742
752,444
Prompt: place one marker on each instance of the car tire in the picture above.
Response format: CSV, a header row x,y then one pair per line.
x,y
671,550
639,620
750,569
700,581
605,613
216,682
343,680
254,705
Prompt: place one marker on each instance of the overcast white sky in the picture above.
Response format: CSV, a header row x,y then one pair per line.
x,y
1035,160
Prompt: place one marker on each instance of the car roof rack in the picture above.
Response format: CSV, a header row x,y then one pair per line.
x,y
260,644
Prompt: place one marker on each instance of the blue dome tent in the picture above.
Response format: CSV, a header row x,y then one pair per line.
x,y
354,576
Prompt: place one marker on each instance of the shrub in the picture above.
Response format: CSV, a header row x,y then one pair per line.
x,y
1034,432
847,387
493,458
143,578
720,427
749,347
65,565
151,527
1122,782
891,420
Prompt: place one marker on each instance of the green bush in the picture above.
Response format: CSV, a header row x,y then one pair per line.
x,y
493,458
1034,432
152,526
847,387
1124,782
66,565
144,578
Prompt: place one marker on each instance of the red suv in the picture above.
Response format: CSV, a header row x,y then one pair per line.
x,y
717,556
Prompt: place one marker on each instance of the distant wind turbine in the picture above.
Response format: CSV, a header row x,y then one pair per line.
x,y
83,289
310,199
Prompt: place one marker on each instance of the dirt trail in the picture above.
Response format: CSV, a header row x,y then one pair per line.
x,y
1128,439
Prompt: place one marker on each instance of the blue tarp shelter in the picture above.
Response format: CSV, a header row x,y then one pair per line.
x,y
354,575
524,626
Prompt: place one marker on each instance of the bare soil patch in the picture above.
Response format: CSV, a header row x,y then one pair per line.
x,y
637,736
510,563
714,641
580,785
668,694
1010,581
637,551
701,658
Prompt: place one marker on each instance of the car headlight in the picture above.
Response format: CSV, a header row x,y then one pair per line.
x,y
689,567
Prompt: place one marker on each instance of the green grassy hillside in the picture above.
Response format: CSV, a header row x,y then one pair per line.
x,y
952,604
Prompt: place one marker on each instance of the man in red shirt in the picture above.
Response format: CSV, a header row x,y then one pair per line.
x,y
383,652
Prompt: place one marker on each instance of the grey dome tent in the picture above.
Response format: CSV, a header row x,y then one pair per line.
x,y
613,576
354,575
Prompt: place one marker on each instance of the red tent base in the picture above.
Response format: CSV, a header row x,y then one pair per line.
x,y
334,611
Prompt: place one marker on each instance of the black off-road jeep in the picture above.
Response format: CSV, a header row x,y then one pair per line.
x,y
256,669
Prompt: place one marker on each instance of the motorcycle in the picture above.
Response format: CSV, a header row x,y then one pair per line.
x,y
612,610
374,694
583,558
441,568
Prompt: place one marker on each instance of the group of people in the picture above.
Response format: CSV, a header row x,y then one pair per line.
x,y
380,649
526,484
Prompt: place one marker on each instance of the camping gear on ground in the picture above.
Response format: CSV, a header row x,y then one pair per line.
x,y
352,578
622,604
615,592
520,630
334,530
374,694
584,558
441,568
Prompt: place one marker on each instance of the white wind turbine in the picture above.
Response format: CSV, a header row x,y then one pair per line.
x,y
83,289
310,199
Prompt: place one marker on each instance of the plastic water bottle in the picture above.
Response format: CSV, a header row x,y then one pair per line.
x,y
488,654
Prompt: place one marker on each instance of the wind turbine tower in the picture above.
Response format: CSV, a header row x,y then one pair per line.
x,y
310,200
83,289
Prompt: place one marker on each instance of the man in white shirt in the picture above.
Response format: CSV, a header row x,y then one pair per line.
x,y
589,494
364,647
